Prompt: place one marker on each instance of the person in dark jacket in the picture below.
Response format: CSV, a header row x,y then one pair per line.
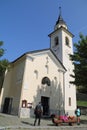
x,y
38,113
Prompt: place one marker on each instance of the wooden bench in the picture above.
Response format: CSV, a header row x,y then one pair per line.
x,y
58,121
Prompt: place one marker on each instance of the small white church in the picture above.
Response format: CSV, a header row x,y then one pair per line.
x,y
42,75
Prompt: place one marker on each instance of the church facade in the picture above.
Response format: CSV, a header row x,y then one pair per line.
x,y
42,75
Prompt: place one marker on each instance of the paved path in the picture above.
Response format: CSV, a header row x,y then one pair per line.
x,y
9,122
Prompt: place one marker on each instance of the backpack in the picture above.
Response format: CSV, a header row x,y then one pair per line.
x,y
38,109
78,112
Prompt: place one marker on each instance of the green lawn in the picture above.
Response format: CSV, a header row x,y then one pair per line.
x,y
82,103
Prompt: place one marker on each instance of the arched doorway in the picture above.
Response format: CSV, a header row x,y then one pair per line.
x,y
45,104
45,99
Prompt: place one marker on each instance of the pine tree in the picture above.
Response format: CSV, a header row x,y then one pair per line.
x,y
79,59
3,64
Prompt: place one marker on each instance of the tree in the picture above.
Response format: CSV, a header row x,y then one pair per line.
x,y
3,64
1,49
79,59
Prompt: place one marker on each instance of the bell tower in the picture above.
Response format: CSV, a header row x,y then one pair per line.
x,y
61,44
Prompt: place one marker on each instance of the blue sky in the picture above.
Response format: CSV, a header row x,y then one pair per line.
x,y
25,24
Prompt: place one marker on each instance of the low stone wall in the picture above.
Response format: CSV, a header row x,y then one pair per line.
x,y
83,110
25,113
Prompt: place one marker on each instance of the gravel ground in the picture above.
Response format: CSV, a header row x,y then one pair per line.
x,y
9,122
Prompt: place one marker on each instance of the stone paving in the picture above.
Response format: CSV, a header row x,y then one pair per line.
x,y
9,122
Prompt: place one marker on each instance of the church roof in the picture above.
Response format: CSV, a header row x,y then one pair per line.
x,y
43,51
60,18
64,29
60,22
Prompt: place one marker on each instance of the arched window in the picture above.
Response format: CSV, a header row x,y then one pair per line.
x,y
47,68
56,41
67,41
36,74
69,101
46,80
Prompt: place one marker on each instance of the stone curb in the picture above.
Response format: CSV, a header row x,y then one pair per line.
x,y
44,127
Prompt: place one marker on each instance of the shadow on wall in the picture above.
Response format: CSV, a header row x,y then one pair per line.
x,y
51,97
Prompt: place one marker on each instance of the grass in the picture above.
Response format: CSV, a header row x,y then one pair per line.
x,y
82,99
82,103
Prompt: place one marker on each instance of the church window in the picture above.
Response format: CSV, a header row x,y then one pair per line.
x,y
69,101
36,74
67,41
55,78
56,41
46,80
47,68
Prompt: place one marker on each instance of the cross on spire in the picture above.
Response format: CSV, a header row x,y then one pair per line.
x,y
59,11
60,19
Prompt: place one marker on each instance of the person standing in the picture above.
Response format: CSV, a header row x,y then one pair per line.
x,y
78,114
38,113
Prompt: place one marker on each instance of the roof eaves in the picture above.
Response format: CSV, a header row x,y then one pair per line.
x,y
58,60
61,28
30,52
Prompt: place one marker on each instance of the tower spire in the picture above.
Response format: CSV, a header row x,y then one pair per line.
x,y
60,22
59,11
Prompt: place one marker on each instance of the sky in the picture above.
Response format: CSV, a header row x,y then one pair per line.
x,y
26,24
